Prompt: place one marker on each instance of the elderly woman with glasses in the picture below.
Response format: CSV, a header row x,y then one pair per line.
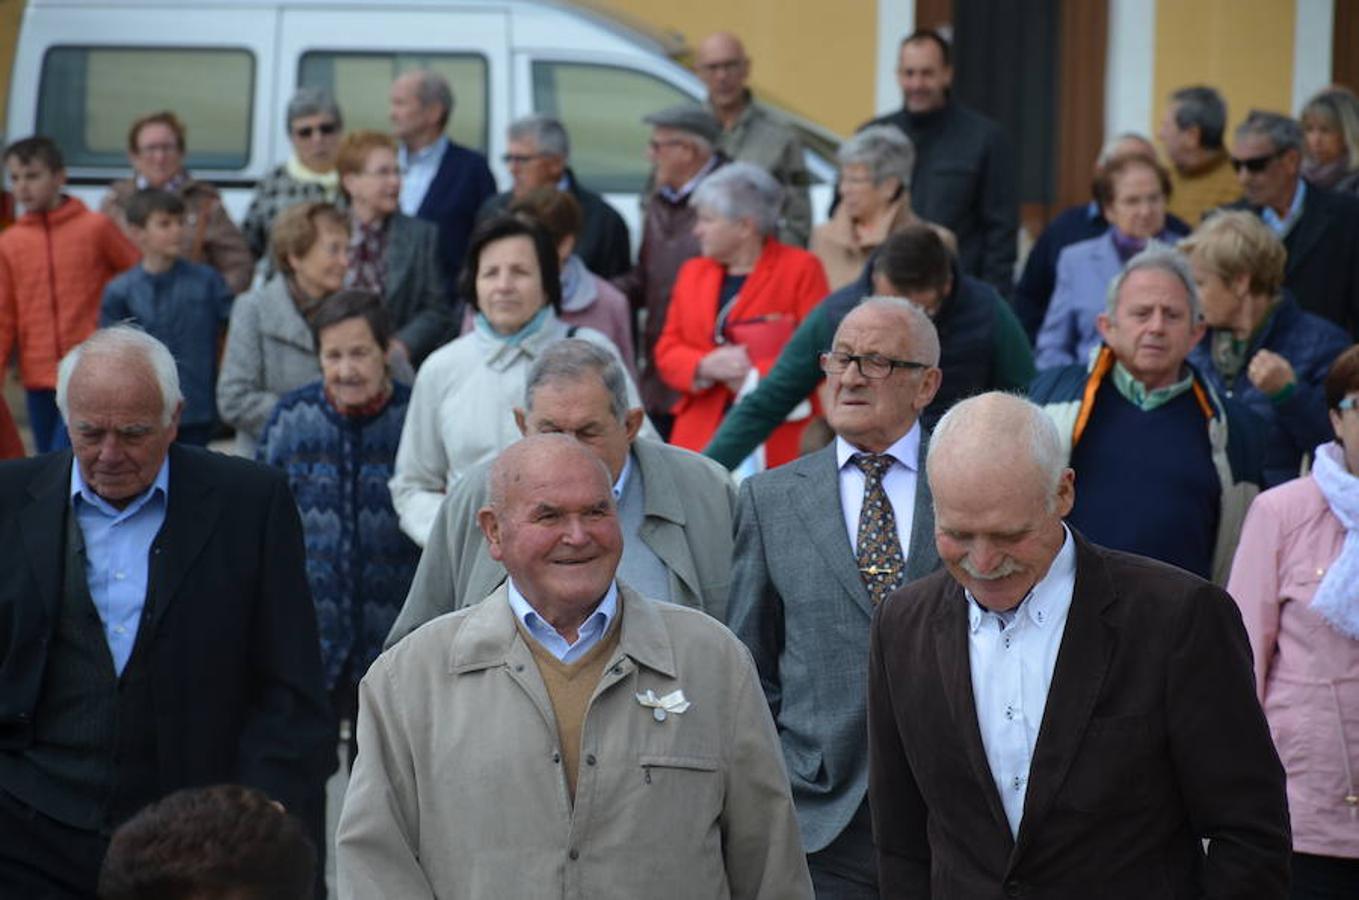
x,y
156,145
1296,579
392,254
314,125
875,201
734,307
1261,346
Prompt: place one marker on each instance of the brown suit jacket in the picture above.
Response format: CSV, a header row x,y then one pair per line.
x,y
1151,742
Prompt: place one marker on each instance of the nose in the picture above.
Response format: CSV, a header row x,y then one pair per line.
x,y
984,556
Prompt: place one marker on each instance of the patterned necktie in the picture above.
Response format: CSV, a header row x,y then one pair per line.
x,y
881,563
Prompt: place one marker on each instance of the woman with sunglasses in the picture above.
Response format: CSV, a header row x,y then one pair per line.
x,y
314,126
1296,579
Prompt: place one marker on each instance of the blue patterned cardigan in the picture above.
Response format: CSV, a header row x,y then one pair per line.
x,y
359,563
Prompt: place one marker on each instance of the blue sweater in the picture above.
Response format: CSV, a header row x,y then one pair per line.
x,y
1133,495
359,563
185,309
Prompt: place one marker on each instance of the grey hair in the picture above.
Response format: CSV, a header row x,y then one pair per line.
x,y
884,149
1202,107
312,101
989,419
432,88
742,190
1162,258
1284,133
1110,148
123,341
924,335
547,134
572,359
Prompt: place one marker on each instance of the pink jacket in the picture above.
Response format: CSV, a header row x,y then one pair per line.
x,y
1306,673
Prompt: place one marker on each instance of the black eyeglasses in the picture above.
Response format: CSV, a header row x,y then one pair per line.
x,y
325,128
871,365
1256,164
519,159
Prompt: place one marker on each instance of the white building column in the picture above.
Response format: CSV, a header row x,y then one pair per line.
x,y
1130,68
896,19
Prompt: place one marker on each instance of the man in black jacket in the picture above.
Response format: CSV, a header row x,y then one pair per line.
x,y
156,631
964,175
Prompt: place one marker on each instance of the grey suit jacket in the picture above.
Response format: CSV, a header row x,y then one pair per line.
x,y
798,603
687,521
417,299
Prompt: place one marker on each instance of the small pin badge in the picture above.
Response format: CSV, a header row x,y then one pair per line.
x,y
662,707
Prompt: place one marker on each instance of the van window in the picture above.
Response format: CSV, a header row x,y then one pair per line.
x,y
602,109
89,96
360,83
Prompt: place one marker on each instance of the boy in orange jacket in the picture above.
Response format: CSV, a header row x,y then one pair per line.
x,y
54,263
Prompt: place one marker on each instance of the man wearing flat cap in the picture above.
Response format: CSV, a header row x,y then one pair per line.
x,y
682,153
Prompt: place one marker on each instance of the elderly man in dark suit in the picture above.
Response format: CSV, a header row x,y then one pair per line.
x,y
156,631
1051,719
820,543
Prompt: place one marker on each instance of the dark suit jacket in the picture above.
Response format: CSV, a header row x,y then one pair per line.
x,y
798,602
461,185
417,298
603,244
235,663
1151,741
1323,256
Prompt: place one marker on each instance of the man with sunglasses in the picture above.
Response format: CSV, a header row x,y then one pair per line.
x,y
820,542
1319,228
538,155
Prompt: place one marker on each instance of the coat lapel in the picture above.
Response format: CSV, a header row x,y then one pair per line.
x,y
399,258
816,497
955,671
663,518
1077,678
1308,230
190,518
44,527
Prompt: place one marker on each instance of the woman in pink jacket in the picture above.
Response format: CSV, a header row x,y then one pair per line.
x,y
1296,579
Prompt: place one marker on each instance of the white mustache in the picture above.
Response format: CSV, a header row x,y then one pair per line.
x,y
1007,568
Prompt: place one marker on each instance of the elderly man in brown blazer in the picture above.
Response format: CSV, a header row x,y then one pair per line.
x,y
1050,719
566,737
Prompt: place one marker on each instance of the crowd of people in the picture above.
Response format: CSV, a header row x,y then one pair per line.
x,y
771,561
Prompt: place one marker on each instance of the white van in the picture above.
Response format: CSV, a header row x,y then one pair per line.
x,y
85,69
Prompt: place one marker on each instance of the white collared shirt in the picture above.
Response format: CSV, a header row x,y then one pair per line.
x,y
1012,658
417,172
898,482
621,484
589,633
675,196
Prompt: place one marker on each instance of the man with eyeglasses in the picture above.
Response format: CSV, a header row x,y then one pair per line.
x,y
820,542
1319,228
682,151
538,154
752,133
982,345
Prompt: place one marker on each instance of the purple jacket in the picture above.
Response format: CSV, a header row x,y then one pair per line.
x,y
1306,673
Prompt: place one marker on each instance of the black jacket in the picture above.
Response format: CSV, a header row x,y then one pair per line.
x,y
964,179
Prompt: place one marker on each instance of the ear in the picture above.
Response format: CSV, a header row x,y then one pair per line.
x,y
1066,493
490,528
632,423
347,183
929,386
174,420
1335,422
521,421
59,176
1104,325
1240,285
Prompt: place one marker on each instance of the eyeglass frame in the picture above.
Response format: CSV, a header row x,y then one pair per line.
x,y
1347,403
520,159
874,359
322,129
1256,164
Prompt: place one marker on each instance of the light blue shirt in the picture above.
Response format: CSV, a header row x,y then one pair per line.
x,y
417,172
1279,226
1012,656
622,481
589,633
118,555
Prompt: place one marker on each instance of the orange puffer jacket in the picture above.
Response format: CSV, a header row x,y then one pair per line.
x,y
53,268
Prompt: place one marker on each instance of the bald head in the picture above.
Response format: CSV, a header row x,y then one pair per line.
x,y
721,62
998,434
920,339
540,455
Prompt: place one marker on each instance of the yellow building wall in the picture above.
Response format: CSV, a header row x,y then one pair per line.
x,y
813,57
11,11
1244,48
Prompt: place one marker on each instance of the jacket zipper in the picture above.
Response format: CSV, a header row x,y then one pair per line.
x,y
52,285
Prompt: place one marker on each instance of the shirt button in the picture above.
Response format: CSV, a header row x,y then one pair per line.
x,y
574,853
590,759
1009,712
118,629
556,757
119,576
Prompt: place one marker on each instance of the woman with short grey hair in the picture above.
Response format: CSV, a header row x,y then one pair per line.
x,y
875,201
314,127
734,307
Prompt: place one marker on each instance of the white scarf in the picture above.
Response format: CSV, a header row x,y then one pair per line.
x,y
1337,597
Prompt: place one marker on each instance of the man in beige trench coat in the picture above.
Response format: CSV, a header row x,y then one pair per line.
x,y
566,738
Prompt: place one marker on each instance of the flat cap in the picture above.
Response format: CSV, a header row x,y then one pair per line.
x,y
687,117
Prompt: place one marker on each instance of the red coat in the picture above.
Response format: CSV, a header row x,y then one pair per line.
x,y
786,282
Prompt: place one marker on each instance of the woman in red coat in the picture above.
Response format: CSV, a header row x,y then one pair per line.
x,y
734,307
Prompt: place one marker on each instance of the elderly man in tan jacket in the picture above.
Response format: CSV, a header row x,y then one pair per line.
x,y
566,738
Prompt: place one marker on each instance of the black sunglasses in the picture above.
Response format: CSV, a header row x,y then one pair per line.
x,y
326,128
1256,164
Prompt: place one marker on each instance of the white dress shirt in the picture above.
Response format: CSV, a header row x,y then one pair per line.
x,y
1012,657
417,172
589,633
898,482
